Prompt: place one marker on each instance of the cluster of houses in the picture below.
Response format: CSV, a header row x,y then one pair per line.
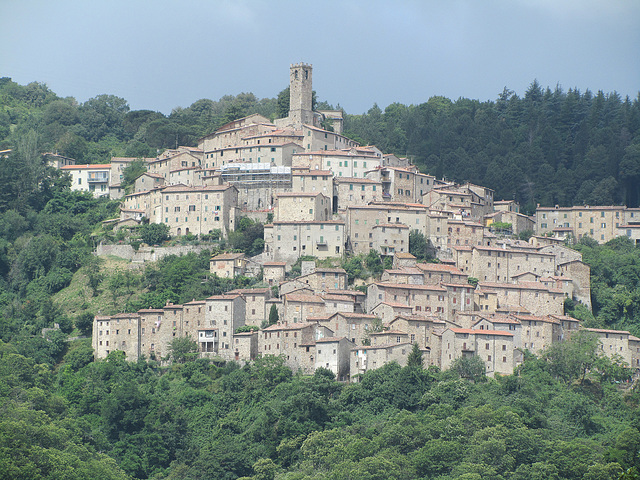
x,y
323,323
321,194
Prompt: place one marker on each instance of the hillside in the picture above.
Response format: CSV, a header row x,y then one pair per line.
x,y
549,147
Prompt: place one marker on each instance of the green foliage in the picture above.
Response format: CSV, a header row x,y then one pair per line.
x,y
615,283
581,355
273,315
470,367
154,233
183,349
248,237
420,247
132,172
415,357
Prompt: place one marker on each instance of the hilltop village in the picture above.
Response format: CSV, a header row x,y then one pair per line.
x,y
323,195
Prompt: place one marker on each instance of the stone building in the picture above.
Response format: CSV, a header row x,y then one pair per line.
x,y
352,162
614,343
256,304
332,353
598,222
273,272
245,346
355,191
361,220
302,207
286,241
227,265
366,358
495,264
539,332
532,296
94,178
493,347
402,184
225,313
197,210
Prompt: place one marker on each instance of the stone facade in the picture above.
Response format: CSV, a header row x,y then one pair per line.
x,y
600,222
286,241
494,347
302,207
366,358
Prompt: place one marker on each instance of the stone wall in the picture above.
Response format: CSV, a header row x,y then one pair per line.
x,y
147,254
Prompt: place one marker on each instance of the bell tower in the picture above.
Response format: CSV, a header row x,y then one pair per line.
x,y
300,94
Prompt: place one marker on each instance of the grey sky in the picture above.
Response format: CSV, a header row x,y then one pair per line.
x,y
161,54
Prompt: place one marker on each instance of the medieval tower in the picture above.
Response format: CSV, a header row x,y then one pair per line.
x,y
300,94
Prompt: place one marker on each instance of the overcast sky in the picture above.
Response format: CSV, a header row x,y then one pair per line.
x,y
162,54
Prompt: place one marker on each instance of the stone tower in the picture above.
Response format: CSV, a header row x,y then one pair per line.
x,y
300,93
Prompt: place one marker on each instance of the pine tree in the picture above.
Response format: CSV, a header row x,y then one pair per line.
x,y
415,357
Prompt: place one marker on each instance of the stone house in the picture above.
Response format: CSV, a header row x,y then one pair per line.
x,y
273,272
493,347
436,273
580,275
312,181
631,231
634,346
360,221
196,210
225,313
245,346
120,332
495,264
148,181
404,260
423,330
387,311
389,238
598,222
532,296
351,162
186,176
423,298
614,342
464,232
334,303
445,199
355,191
332,353
539,332
355,327
173,160
386,337
366,358
505,323
403,275
295,342
94,178
256,304
298,306
287,241
227,265
402,184
322,279
302,207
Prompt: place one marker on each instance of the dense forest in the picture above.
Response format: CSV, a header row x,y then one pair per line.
x,y
67,416
198,420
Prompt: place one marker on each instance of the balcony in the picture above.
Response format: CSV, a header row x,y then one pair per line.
x,y
98,177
